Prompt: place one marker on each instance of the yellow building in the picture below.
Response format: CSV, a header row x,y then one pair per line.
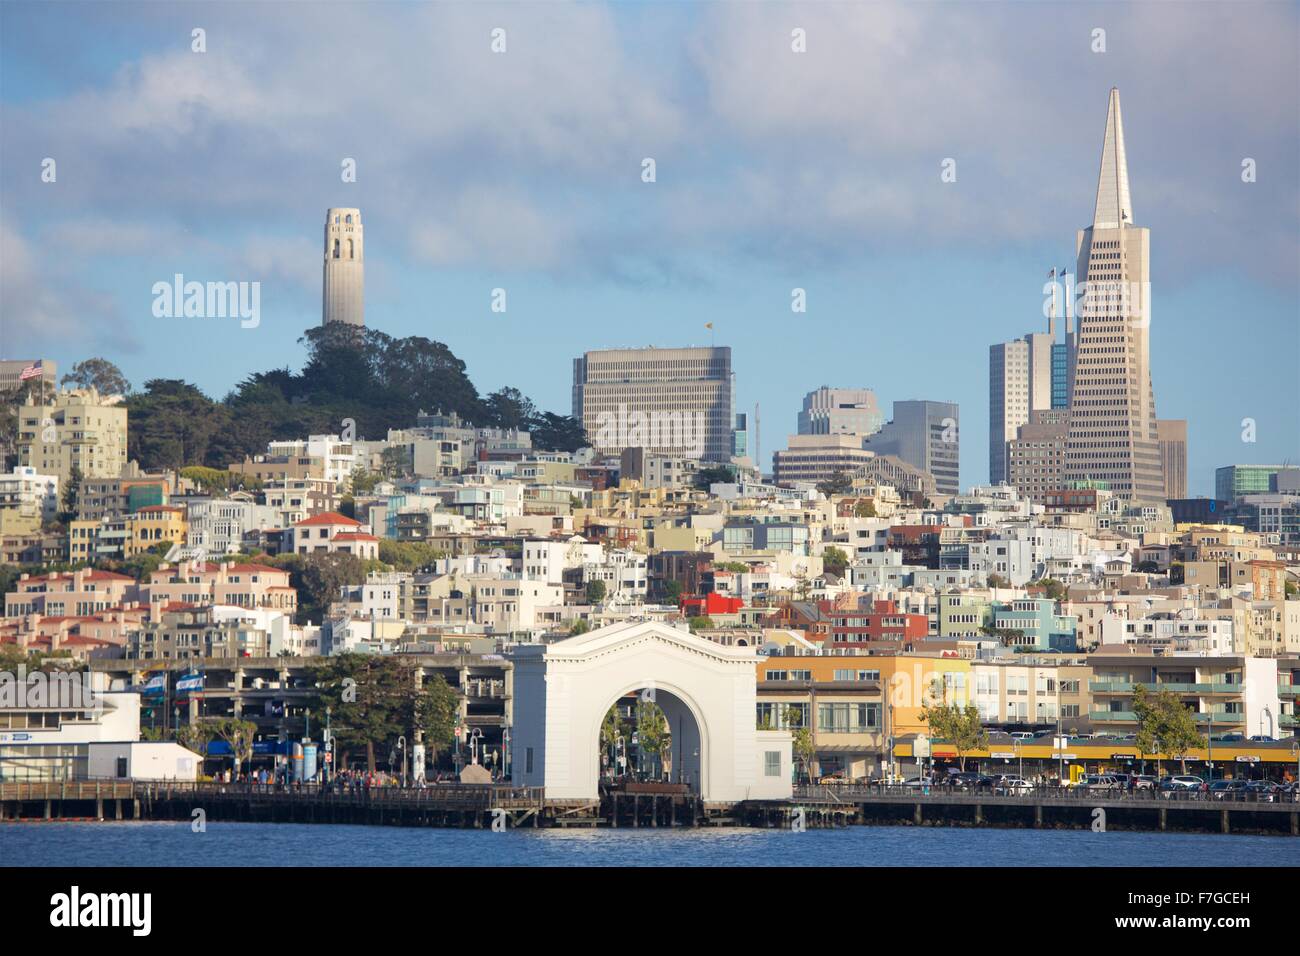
x,y
73,428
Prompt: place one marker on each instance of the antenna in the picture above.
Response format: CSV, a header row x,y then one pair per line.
x,y
758,444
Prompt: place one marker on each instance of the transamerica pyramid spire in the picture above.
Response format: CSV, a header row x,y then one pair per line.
x,y
1114,207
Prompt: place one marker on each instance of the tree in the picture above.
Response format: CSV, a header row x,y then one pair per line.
x,y
1165,725
580,626
735,567
551,432
835,561
595,591
802,747
173,425
865,508
714,475
611,729
211,480
372,699
393,462
1053,589
99,374
509,408
841,483
437,709
408,555
319,578
673,592
701,622
196,737
70,492
998,581
363,481
654,739
238,735
958,725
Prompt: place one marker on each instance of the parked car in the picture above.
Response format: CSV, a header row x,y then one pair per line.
x,y
1023,735
1144,782
1010,784
1227,789
1125,780
1181,784
1265,791
1264,738
1232,738
1102,781
969,780
917,782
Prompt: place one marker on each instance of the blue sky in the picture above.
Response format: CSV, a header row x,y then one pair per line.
x,y
775,170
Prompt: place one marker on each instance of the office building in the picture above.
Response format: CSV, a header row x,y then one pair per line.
x,y
925,435
1233,481
1112,434
678,402
1172,433
838,411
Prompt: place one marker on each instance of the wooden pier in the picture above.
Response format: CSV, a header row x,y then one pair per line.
x,y
503,807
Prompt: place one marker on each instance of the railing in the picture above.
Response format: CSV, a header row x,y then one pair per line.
x,y
434,795
67,790
868,792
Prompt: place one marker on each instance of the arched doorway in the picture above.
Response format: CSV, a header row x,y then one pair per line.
x,y
707,693
656,738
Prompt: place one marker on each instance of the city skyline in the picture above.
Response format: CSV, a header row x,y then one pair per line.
x,y
864,243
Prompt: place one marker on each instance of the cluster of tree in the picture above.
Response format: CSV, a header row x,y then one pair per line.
x,y
835,561
958,725
374,380
1165,726
841,483
374,699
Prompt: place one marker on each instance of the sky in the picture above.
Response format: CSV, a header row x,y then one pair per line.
x,y
774,169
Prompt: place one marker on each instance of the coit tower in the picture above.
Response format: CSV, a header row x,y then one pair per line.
x,y
343,295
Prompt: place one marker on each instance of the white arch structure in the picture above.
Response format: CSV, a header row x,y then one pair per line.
x,y
562,692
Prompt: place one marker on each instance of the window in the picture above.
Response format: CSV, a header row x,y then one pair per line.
x,y
528,760
121,767
772,763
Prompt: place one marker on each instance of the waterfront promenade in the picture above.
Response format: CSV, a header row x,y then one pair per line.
x,y
507,807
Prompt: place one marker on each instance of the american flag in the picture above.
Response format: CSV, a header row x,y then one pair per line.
x,y
31,371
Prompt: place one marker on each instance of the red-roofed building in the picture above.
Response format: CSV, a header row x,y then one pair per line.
x,y
331,533
67,593
193,583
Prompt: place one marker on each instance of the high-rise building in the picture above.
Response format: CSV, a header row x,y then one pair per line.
x,y
1036,456
677,402
74,428
925,435
1233,481
343,292
1172,433
1026,375
840,411
1112,405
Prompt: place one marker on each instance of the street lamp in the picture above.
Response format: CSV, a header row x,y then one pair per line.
x,y
474,738
505,753
401,742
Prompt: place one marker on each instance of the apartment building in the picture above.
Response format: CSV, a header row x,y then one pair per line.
x,y
1226,694
73,429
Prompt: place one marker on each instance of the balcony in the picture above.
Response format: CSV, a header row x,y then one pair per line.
x,y
1128,687
1130,717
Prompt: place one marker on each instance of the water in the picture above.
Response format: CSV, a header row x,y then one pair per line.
x,y
288,844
